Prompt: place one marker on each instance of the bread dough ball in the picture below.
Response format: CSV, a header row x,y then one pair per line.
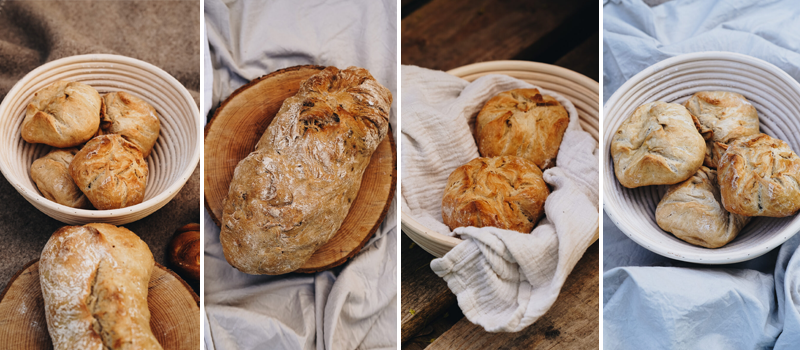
x,y
111,172
64,114
722,116
760,176
132,118
506,192
522,123
52,178
692,211
657,145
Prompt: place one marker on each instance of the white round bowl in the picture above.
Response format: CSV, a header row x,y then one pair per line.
x,y
775,95
171,163
582,91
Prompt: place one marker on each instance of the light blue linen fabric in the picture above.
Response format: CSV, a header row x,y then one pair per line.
x,y
652,302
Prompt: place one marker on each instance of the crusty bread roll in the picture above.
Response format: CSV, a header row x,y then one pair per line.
x,y
292,193
522,123
132,118
657,145
721,117
111,172
506,192
760,176
692,211
52,178
94,281
63,114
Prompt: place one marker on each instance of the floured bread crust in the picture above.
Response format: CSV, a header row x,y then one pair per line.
x,y
522,123
721,117
506,192
760,176
132,118
94,281
692,211
657,145
52,178
63,114
111,172
292,193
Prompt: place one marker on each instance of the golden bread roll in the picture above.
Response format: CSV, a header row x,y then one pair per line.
x,y
63,114
132,118
722,116
52,178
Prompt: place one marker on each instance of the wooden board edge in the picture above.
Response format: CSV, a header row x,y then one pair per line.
x,y
16,275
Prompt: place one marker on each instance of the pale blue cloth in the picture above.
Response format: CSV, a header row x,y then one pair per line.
x,y
652,302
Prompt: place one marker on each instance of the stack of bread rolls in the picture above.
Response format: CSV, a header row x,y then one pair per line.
x,y
721,170
518,134
100,145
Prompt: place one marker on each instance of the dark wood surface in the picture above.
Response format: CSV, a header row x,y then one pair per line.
x,y
446,34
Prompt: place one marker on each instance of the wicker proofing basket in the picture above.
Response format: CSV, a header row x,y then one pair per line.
x,y
582,91
171,162
775,95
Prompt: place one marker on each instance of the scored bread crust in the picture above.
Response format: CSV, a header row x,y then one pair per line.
x,y
52,178
506,192
291,195
760,176
657,145
522,123
95,281
111,172
692,211
63,114
132,118
721,117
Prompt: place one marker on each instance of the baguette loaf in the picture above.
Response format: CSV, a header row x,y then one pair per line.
x,y
94,281
292,193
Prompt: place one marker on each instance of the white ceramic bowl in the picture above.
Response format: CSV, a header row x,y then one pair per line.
x,y
582,91
171,163
775,95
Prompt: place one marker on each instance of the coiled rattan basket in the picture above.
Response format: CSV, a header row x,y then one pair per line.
x,y
171,163
776,96
582,91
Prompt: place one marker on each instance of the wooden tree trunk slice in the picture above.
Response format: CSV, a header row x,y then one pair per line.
x,y
174,311
237,126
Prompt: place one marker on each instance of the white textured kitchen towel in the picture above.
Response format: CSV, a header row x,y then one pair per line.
x,y
350,307
504,280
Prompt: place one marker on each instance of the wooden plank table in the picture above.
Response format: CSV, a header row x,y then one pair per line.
x,y
446,34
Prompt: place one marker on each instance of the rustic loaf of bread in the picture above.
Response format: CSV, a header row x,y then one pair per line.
x,y
692,211
657,145
721,117
94,281
111,172
506,192
290,195
760,176
63,114
522,123
132,118
52,178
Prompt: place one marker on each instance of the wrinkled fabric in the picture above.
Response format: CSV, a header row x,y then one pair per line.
x,y
650,301
353,306
503,280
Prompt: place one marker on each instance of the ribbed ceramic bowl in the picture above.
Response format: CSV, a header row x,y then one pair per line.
x,y
582,91
171,162
775,95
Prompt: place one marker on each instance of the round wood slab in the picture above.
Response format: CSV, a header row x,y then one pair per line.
x,y
237,126
174,311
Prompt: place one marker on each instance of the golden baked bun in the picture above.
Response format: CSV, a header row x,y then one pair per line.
x,y
522,123
760,176
132,118
721,116
506,192
52,178
111,172
657,145
692,211
63,114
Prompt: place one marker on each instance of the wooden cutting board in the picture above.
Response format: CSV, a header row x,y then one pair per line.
x,y
237,126
174,311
